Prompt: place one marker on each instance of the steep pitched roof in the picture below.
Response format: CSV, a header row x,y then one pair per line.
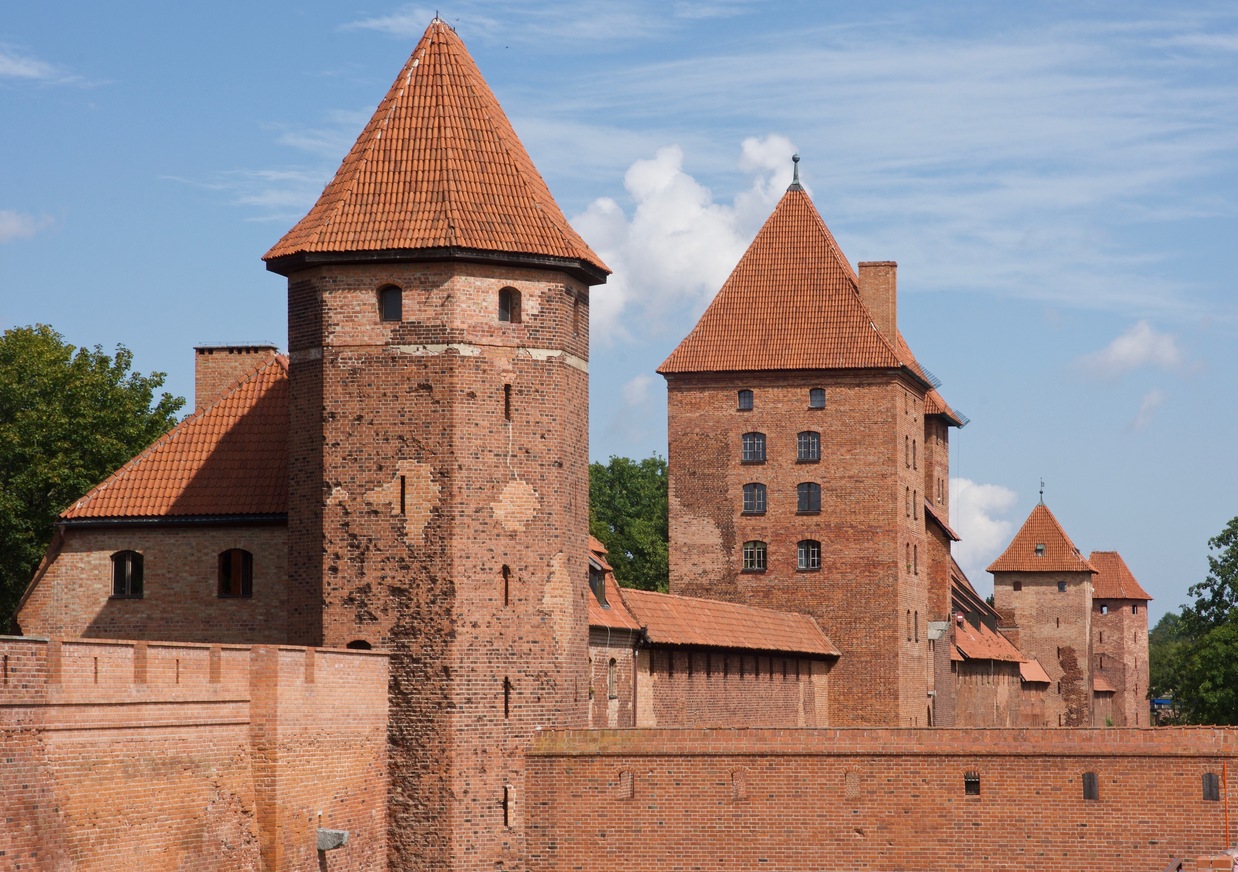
x,y
1114,579
792,302
680,620
1041,528
614,615
229,459
981,643
1033,673
438,167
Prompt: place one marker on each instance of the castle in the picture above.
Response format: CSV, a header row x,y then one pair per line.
x,y
354,592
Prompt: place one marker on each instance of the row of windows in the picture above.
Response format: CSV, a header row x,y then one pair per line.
x,y
816,399
807,447
807,555
807,498
235,573
509,310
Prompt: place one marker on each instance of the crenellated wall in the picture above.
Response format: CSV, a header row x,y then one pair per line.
x,y
154,755
878,799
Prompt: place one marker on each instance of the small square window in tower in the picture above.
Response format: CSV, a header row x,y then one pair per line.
x,y
754,556
745,401
509,305
971,784
816,398
752,448
808,447
1061,587
808,498
754,499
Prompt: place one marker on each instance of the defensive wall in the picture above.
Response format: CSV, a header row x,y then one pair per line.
x,y
156,755
878,799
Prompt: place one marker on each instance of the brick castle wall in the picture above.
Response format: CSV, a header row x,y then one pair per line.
x,y
611,702
180,601
877,799
871,593
162,756
1120,655
439,508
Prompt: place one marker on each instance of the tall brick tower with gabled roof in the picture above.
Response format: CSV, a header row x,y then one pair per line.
x,y
438,498
1120,637
1042,586
797,425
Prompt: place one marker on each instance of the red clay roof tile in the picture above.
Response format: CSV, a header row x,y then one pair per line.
x,y
1114,579
981,643
438,166
1101,685
614,615
792,302
229,459
679,620
1032,672
1041,528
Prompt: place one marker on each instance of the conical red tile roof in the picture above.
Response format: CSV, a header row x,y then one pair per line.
x,y
438,167
792,302
1041,528
229,459
1114,579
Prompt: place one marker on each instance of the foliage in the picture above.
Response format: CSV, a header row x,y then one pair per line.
x,y
1195,657
628,513
68,418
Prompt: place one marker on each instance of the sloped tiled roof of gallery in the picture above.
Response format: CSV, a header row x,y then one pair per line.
x,y
1059,554
438,166
1114,579
791,303
229,459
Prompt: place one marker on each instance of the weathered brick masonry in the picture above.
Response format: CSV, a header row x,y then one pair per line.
x,y
136,755
876,799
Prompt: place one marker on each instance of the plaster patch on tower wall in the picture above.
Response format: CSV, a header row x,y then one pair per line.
x,y
544,354
421,493
338,496
461,348
557,601
516,506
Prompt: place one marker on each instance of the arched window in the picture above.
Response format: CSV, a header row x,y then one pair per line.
x,y
236,573
808,497
752,448
612,679
808,447
754,556
808,553
359,645
745,401
127,574
390,303
754,499
509,305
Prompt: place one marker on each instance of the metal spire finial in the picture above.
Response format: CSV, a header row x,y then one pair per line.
x,y
1042,490
795,181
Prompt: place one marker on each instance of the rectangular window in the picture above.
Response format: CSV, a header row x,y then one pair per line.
x,y
809,555
1212,787
745,401
1061,587
1091,786
753,448
754,556
808,447
754,499
816,398
971,784
808,497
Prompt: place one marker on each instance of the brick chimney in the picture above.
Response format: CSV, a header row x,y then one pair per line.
x,y
879,291
219,367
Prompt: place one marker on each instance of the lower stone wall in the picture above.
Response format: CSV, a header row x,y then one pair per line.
x,y
878,799
154,756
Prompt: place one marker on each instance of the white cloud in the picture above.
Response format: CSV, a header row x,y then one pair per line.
x,y
678,246
976,513
1141,345
15,65
17,225
636,390
1152,401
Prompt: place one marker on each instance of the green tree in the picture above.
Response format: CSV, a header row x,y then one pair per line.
x,y
1207,678
1167,647
68,418
628,513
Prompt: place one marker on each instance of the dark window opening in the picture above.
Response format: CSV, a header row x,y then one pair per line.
x,y
1061,587
1134,610
509,305
236,573
745,401
915,624
1040,549
1212,787
612,679
1018,585
808,447
507,402
1104,610
403,494
808,497
816,398
507,818
359,645
754,556
507,579
1091,786
808,555
752,448
971,784
507,697
127,574
390,303
754,499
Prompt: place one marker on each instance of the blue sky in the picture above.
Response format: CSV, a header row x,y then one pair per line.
x,y
1057,182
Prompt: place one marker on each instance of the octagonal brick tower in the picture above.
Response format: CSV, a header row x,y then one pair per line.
x,y
438,499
